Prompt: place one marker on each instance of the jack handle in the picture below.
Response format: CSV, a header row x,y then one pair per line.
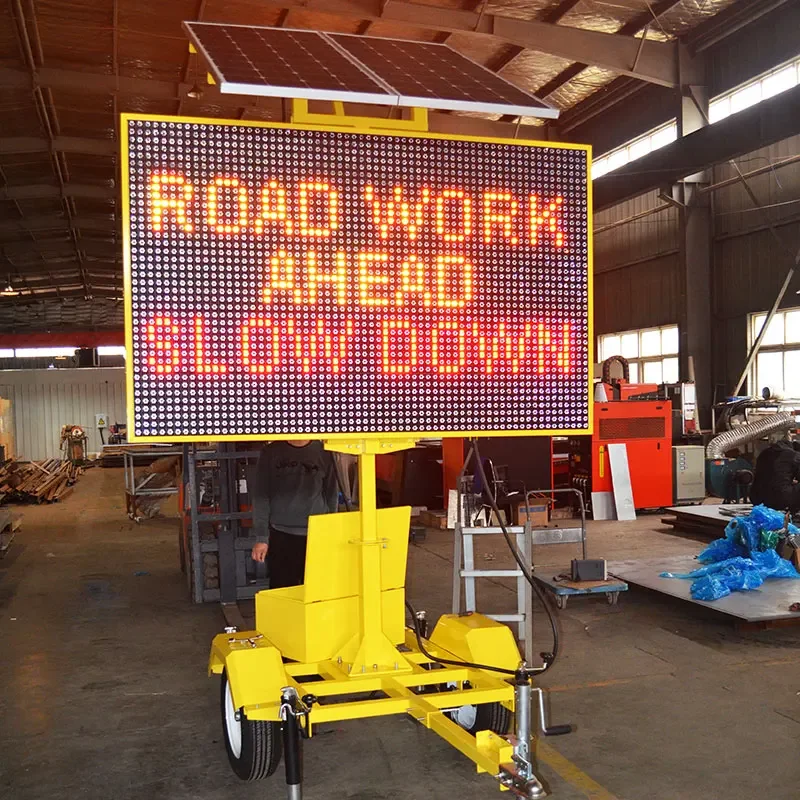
x,y
549,730
522,679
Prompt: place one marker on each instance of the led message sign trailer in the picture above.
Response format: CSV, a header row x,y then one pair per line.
x,y
284,281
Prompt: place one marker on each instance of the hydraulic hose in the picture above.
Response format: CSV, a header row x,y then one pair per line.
x,y
549,658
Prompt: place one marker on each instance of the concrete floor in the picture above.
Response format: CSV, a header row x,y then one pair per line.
x,y
103,691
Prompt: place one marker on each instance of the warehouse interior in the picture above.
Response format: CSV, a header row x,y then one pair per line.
x,y
129,576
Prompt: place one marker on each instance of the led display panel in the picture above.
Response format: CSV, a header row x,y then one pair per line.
x,y
294,282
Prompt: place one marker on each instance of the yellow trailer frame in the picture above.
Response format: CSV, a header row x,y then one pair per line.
x,y
342,635
340,638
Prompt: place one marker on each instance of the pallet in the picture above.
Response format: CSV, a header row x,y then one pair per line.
x,y
434,519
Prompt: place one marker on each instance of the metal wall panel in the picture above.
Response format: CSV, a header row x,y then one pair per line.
x,y
749,266
642,295
623,237
748,270
45,399
779,187
636,265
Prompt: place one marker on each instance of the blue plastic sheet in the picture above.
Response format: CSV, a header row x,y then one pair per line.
x,y
737,563
721,550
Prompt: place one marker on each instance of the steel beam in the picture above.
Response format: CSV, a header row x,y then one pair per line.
x,y
729,21
35,224
766,123
75,290
38,191
55,78
636,25
11,145
696,231
231,105
657,63
66,338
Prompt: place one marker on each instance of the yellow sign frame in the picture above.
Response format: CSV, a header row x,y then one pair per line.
x,y
416,127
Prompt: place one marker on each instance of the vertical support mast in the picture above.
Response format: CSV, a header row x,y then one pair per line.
x,y
370,651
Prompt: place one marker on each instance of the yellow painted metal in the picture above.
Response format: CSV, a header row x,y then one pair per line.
x,y
256,682
488,750
210,79
477,639
417,120
255,670
323,618
346,622
302,119
370,648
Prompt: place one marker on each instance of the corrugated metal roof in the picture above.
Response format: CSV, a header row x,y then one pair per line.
x,y
64,252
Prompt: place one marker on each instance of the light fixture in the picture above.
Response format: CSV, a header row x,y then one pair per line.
x,y
9,291
196,92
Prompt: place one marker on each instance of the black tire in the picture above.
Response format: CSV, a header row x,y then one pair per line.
x,y
258,752
493,717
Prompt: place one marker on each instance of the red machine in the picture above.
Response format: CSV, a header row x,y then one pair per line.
x,y
644,426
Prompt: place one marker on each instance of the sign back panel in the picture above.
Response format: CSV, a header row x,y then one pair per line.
x,y
290,282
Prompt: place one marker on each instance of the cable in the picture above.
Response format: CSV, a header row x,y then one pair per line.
x,y
447,660
549,658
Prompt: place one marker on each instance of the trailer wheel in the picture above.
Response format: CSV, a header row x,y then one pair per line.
x,y
493,717
254,747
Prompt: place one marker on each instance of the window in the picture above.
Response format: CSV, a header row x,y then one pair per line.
x,y
45,352
652,353
777,364
638,147
762,88
111,350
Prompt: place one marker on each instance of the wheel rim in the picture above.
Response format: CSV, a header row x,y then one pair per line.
x,y
233,726
466,716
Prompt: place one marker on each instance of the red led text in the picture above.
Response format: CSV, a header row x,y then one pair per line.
x,y
314,209
266,345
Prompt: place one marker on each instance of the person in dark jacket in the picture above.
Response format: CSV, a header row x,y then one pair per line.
x,y
292,481
776,477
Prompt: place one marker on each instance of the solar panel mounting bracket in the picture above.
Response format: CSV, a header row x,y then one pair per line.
x,y
417,119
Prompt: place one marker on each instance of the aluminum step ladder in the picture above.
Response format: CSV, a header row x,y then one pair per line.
x,y
526,536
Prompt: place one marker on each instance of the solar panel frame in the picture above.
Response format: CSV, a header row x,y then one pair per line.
x,y
386,95
538,108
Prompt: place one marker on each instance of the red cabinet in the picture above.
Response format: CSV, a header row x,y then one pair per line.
x,y
645,426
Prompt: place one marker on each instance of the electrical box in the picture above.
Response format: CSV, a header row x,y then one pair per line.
x,y
688,470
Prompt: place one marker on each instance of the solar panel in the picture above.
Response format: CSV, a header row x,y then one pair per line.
x,y
280,62
436,76
275,62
